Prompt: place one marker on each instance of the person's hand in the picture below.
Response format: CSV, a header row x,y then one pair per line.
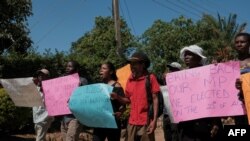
x,y
117,114
151,127
228,121
35,80
113,95
215,62
214,131
238,84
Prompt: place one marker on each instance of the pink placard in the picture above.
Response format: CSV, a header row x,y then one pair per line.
x,y
207,91
57,92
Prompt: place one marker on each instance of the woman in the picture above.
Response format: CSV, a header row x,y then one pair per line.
x,y
70,126
108,76
205,129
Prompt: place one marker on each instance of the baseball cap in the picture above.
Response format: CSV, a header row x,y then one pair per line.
x,y
44,71
140,57
194,49
174,65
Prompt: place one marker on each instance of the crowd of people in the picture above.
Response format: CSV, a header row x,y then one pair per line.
x,y
140,126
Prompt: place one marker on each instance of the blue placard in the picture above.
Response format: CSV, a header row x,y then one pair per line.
x,y
91,105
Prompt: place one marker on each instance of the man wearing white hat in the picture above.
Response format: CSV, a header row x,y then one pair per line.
x,y
170,129
193,56
206,129
174,66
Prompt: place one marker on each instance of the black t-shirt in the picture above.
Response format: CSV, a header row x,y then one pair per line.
x,y
115,103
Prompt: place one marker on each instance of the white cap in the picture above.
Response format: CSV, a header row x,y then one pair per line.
x,y
44,71
175,65
194,49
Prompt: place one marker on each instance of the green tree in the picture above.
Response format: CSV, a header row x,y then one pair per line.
x,y
163,41
16,65
98,45
13,118
13,25
222,31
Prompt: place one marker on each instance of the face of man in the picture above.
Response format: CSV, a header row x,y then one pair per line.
x,y
70,68
42,76
137,68
191,59
241,44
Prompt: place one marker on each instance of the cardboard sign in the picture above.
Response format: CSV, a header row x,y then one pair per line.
x,y
91,105
22,91
167,103
123,75
245,78
207,91
57,92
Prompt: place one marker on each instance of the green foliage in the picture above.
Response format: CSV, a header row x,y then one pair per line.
x,y
221,31
124,117
164,40
12,118
13,25
125,114
15,65
98,45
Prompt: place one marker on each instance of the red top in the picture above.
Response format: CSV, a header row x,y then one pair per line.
x,y
136,92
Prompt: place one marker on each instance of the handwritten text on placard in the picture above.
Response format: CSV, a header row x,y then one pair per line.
x,y
207,91
91,105
57,92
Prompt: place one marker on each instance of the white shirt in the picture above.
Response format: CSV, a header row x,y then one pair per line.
x,y
40,113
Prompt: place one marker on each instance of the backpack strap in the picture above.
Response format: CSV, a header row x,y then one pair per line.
x,y
114,84
149,96
148,89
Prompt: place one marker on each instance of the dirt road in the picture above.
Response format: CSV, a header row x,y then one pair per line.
x,y
83,136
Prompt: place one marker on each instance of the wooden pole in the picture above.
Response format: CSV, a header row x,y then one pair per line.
x,y
116,16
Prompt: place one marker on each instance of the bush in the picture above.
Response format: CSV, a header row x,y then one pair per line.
x,y
13,118
125,117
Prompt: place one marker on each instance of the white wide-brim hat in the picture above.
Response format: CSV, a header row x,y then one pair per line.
x,y
194,49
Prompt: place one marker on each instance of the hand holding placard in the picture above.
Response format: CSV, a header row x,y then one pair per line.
x,y
205,92
57,92
91,105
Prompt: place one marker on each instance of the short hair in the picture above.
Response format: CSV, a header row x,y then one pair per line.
x,y
247,35
76,65
141,57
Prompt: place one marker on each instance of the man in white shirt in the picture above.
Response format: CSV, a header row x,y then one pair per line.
x,y
40,115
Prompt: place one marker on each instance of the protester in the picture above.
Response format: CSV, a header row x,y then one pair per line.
x,y
70,126
140,127
40,115
170,129
108,76
206,129
242,46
